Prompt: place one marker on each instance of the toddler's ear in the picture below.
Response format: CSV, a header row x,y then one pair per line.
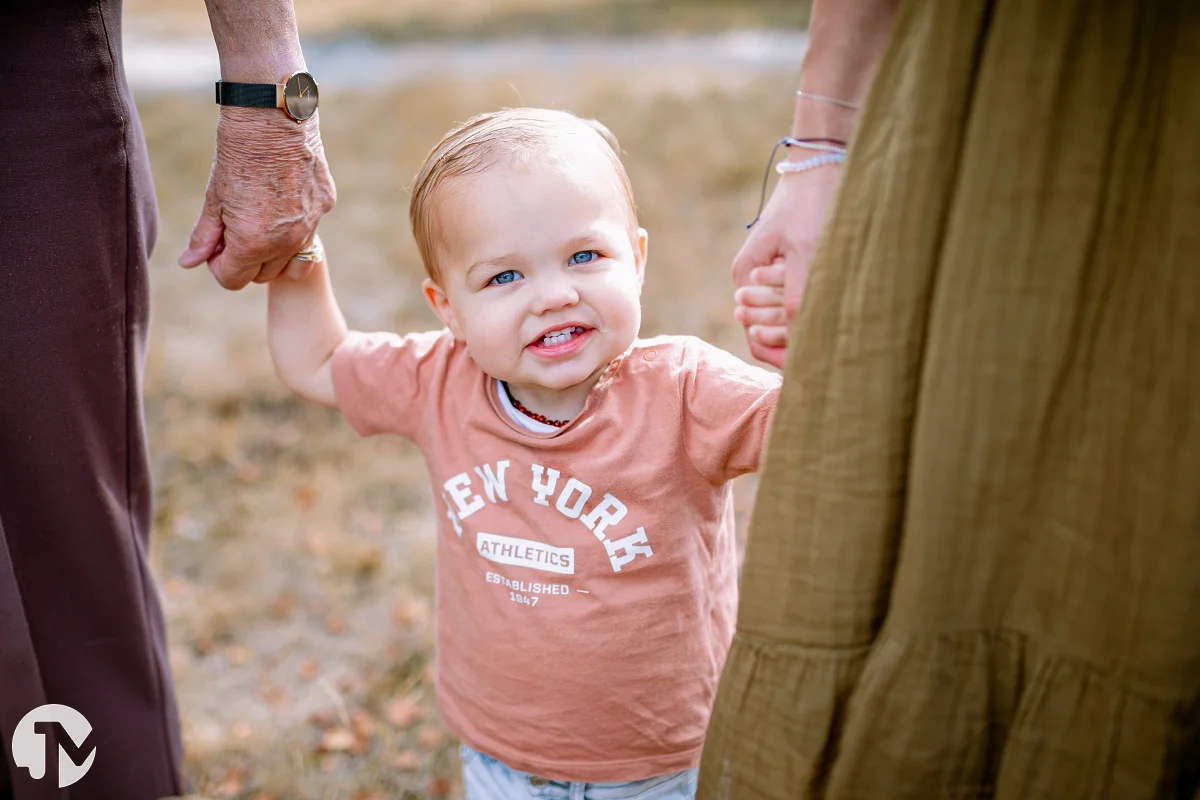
x,y
439,303
639,256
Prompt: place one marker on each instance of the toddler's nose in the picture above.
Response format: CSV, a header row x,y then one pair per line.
x,y
554,294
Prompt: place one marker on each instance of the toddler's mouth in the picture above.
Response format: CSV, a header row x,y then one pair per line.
x,y
560,341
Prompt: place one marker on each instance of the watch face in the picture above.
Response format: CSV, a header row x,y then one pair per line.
x,y
300,96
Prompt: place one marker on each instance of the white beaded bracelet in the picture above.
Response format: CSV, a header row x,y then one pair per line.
x,y
786,167
833,151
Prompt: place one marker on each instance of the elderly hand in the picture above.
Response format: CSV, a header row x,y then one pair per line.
x,y
786,234
268,189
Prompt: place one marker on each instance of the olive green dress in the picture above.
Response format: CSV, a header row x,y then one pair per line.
x,y
974,563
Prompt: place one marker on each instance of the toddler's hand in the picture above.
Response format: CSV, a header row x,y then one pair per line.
x,y
760,308
308,263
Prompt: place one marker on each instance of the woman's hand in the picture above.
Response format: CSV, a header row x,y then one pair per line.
x,y
785,235
268,189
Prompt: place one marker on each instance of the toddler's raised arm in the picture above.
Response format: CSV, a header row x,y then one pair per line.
x,y
304,327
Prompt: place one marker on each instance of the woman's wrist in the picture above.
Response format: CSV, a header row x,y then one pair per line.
x,y
815,118
846,39
256,42
828,100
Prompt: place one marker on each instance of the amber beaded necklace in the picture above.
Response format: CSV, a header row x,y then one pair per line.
x,y
557,423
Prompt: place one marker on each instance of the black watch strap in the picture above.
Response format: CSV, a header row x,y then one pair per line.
x,y
254,95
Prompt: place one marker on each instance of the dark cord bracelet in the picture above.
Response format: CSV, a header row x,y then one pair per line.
x,y
813,143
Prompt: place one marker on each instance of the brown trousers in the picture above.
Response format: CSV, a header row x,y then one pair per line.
x,y
80,622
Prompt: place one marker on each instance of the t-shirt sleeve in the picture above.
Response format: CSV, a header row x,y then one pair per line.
x,y
727,411
384,382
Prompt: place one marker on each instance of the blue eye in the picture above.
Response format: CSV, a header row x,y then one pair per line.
x,y
508,276
584,257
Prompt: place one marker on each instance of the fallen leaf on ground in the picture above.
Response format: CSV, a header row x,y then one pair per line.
x,y
274,696
306,496
282,605
249,473
439,786
411,613
228,789
338,740
402,712
174,586
231,782
363,725
430,738
239,655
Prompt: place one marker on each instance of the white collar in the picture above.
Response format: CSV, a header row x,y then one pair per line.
x,y
524,420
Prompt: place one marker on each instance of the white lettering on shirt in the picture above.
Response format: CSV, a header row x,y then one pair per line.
x,y
525,553
493,484
459,488
573,485
631,545
608,511
543,488
461,503
525,586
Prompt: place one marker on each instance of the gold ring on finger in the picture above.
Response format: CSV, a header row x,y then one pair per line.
x,y
314,252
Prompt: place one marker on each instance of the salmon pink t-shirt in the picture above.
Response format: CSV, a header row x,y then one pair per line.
x,y
586,577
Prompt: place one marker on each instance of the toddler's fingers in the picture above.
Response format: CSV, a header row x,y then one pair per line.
x,y
769,335
765,315
771,275
297,270
759,296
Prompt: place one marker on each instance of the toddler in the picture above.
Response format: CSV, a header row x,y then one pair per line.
x,y
586,573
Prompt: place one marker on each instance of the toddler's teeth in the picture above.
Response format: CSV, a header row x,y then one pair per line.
x,y
565,335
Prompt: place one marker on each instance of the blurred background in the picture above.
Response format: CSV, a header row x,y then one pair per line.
x,y
294,559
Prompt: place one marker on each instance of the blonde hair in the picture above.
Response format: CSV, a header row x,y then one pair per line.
x,y
483,142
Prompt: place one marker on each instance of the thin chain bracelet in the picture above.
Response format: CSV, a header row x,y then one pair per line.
x,y
831,100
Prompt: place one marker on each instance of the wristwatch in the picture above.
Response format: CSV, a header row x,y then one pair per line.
x,y
297,96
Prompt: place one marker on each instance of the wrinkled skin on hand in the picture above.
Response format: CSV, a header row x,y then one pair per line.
x,y
268,189
786,234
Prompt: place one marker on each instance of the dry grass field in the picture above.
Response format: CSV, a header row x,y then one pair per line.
x,y
294,559
423,19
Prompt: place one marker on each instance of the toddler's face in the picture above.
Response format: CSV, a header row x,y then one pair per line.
x,y
541,274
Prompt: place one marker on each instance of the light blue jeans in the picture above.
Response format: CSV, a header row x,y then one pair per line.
x,y
485,778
